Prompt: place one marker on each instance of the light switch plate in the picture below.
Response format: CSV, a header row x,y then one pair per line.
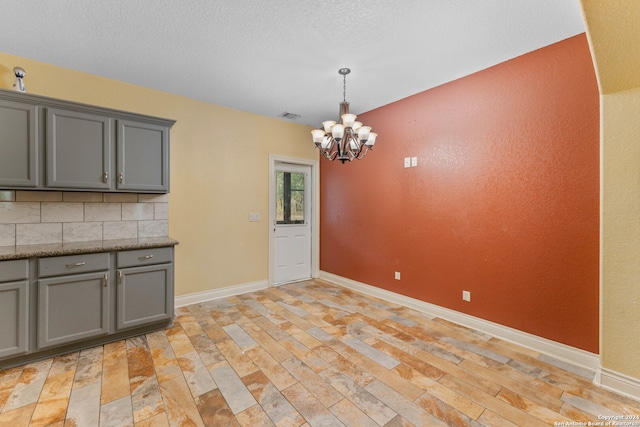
x,y
407,162
414,162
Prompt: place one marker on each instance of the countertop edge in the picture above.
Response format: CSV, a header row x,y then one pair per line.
x,y
49,250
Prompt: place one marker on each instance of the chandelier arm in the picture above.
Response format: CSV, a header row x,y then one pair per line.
x,y
330,151
363,152
341,147
327,154
357,142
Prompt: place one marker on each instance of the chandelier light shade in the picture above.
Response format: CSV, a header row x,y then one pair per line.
x,y
348,139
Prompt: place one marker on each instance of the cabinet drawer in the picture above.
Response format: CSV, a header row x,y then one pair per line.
x,y
72,264
14,270
144,257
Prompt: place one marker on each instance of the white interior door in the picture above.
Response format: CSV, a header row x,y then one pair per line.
x,y
292,223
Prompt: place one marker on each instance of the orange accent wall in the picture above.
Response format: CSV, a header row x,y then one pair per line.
x,y
504,202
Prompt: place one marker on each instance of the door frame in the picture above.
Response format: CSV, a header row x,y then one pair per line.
x,y
315,211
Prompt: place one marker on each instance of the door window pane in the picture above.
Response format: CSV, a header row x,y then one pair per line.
x,y
289,197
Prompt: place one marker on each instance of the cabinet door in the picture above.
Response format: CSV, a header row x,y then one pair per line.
x,y
143,157
79,149
13,318
72,308
18,144
145,295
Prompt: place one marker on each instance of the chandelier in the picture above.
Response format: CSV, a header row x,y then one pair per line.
x,y
347,139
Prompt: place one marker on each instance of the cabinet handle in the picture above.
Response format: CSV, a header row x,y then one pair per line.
x,y
105,176
77,264
120,277
120,177
106,279
146,257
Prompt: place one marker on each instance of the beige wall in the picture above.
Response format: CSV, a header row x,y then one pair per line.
x,y
219,170
620,323
614,37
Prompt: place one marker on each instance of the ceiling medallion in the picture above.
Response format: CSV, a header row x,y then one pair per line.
x,y
347,139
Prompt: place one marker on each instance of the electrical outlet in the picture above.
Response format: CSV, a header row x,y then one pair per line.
x,y
397,275
254,216
466,296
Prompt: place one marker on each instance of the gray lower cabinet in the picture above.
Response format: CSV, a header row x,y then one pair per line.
x,y
14,307
73,305
145,287
72,308
144,295
53,305
19,144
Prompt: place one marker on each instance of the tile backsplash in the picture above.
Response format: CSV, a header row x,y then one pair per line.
x,y
39,217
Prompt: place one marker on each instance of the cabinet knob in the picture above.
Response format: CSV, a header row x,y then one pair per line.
x,y
105,176
121,177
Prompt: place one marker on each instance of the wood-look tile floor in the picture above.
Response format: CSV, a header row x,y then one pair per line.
x,y
304,354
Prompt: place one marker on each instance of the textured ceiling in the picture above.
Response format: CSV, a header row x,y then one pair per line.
x,y
268,57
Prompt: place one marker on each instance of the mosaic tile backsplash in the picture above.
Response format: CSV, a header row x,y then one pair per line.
x,y
40,217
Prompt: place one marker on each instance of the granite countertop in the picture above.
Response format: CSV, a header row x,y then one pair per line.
x,y
56,249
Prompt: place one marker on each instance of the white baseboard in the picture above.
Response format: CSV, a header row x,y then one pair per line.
x,y
570,355
229,291
619,383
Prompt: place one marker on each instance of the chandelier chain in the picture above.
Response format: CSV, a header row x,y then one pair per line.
x,y
344,87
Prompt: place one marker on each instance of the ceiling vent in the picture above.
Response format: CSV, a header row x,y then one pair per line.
x,y
289,116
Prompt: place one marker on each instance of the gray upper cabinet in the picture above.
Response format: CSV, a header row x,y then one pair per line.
x,y
51,144
79,149
18,144
143,157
